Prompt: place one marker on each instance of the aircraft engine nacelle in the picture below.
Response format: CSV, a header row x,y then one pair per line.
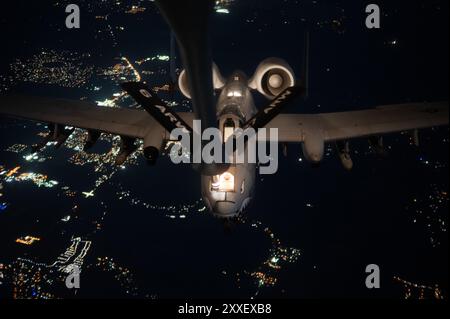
x,y
272,77
344,154
183,84
153,144
314,148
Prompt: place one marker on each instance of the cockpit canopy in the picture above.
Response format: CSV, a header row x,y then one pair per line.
x,y
223,183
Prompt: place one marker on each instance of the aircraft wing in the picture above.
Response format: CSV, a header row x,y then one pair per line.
x,y
348,125
135,123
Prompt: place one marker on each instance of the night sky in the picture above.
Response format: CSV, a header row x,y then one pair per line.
x,y
390,211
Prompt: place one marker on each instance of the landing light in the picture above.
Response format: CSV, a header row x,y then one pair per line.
x,y
234,94
223,183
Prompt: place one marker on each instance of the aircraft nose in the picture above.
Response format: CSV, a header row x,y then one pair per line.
x,y
226,209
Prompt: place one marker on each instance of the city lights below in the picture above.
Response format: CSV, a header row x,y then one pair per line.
x,y
88,194
223,6
13,171
223,10
27,240
418,291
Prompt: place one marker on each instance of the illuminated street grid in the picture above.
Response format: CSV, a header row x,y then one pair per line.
x,y
65,69
34,280
427,211
418,291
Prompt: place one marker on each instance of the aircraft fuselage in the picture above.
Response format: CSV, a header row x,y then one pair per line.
x,y
228,194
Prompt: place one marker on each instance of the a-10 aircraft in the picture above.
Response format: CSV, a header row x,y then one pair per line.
x,y
226,190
